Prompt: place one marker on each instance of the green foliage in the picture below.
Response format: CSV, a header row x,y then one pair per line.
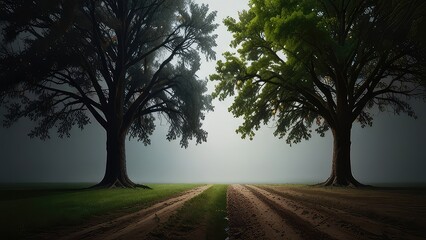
x,y
27,210
323,63
123,62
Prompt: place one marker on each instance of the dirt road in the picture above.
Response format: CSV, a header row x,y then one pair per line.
x,y
139,224
273,212
280,212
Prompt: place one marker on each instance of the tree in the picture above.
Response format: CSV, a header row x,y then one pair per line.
x,y
124,62
327,63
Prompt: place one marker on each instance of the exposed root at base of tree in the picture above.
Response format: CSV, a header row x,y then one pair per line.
x,y
117,183
349,181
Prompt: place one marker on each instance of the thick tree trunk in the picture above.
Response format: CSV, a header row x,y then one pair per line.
x,y
341,172
116,172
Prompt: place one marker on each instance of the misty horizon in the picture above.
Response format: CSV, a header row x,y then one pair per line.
x,y
391,151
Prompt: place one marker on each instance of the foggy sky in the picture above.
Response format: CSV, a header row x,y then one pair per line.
x,y
393,150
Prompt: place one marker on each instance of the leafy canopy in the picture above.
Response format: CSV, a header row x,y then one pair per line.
x,y
305,62
122,61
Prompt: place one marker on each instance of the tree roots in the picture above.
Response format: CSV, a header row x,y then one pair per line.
x,y
118,183
349,181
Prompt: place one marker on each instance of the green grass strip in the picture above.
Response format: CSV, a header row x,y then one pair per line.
x,y
207,208
27,211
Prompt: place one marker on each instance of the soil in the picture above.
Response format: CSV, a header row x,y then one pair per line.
x,y
276,212
282,212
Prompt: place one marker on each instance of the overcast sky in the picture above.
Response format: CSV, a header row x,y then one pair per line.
x,y
393,150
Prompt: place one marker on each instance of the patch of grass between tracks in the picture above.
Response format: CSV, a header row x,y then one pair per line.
x,y
205,211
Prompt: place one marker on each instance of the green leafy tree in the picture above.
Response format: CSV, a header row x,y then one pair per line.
x,y
322,64
123,62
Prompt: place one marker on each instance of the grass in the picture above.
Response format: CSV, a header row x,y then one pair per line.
x,y
208,208
29,209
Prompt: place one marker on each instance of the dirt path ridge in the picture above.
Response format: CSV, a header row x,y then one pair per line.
x,y
267,212
139,224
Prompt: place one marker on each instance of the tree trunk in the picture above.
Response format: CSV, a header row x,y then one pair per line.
x,y
116,172
341,172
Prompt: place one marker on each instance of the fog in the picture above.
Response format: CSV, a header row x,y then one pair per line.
x,y
390,151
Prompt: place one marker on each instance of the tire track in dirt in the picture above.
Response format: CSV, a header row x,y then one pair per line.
x,y
139,224
402,211
242,214
252,215
336,220
329,225
304,228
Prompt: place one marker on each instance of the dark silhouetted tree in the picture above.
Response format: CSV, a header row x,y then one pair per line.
x,y
322,62
124,62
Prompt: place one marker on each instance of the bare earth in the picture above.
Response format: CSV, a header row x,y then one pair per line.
x,y
282,212
139,224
